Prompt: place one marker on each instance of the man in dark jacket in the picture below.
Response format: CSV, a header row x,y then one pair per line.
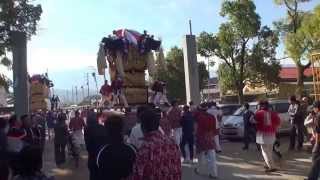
x,y
41,125
115,159
60,141
50,118
27,127
187,123
95,137
249,127
297,121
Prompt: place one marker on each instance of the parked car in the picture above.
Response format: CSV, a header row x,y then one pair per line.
x,y
228,110
233,127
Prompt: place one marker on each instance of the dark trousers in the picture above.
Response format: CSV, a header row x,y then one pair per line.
x,y
14,163
4,170
315,169
249,136
276,147
296,131
60,153
187,139
42,145
93,171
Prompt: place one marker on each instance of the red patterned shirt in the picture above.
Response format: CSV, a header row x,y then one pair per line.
x,y
106,90
174,117
165,125
206,130
157,159
76,123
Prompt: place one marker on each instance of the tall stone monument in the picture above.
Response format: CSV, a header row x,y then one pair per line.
x,y
20,73
191,68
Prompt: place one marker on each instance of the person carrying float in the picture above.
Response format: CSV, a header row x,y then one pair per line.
x,y
159,89
117,88
106,93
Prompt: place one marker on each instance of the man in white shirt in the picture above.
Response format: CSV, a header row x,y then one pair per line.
x,y
136,135
214,111
297,121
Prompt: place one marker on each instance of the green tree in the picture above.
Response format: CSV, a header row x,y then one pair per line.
x,y
295,40
243,45
311,28
15,15
226,79
173,74
203,75
160,61
205,43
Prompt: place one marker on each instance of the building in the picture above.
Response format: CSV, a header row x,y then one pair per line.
x,y
211,91
287,85
288,81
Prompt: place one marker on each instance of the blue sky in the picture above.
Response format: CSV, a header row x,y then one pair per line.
x,y
70,30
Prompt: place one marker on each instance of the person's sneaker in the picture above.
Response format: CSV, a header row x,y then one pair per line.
x,y
186,161
245,148
271,170
189,161
278,154
196,171
291,149
212,176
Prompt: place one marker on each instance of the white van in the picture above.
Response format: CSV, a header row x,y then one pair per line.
x,y
233,127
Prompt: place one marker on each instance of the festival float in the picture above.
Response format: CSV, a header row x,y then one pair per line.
x,y
39,92
128,54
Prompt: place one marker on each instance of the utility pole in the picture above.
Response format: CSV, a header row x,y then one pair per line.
x,y
72,97
208,84
77,94
20,72
82,92
88,83
67,99
95,80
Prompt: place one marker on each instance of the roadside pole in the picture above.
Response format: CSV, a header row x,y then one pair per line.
x,y
20,73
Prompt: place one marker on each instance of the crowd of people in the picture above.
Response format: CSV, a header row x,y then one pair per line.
x,y
148,143
262,127
21,147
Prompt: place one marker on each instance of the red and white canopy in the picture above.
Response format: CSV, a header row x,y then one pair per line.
x,y
131,35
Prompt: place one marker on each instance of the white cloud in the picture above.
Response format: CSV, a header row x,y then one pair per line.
x,y
56,60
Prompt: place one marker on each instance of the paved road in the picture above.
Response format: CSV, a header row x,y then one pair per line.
x,y
234,164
